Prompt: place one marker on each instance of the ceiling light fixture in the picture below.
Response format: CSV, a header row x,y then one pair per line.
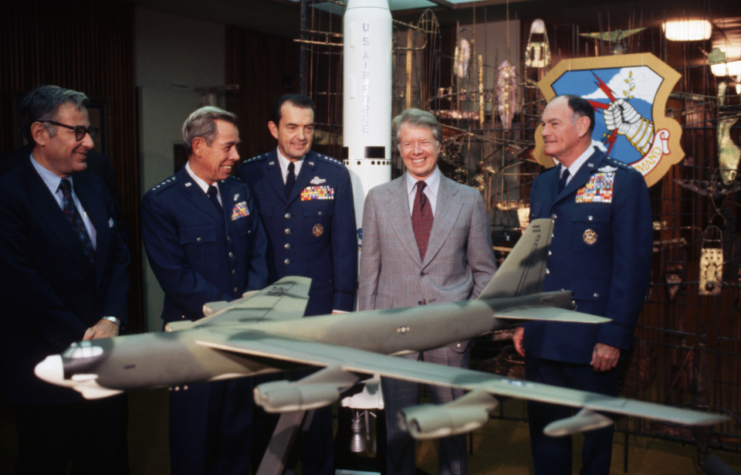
x,y
726,69
687,30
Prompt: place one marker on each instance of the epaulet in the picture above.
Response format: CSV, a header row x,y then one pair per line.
x,y
164,185
330,160
619,164
258,158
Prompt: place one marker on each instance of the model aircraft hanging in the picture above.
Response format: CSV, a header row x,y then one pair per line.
x,y
264,332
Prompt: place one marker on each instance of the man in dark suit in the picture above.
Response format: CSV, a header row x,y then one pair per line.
x,y
65,279
205,243
98,165
306,204
426,240
601,250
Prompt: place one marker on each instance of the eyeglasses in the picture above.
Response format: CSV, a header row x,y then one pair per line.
x,y
80,131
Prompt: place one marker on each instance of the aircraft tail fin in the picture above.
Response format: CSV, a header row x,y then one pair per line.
x,y
523,270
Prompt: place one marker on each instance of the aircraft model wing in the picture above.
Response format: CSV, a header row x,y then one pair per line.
x,y
281,301
342,364
552,314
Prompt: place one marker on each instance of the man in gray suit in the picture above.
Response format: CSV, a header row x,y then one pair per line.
x,y
426,240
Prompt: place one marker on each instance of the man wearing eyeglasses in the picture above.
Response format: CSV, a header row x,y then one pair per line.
x,y
64,273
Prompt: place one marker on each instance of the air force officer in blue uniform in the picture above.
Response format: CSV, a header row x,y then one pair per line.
x,y
601,250
205,243
306,205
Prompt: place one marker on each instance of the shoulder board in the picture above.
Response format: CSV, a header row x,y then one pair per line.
x,y
165,184
256,159
330,160
619,164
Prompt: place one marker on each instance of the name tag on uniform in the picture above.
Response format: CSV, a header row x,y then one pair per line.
x,y
240,211
597,190
317,193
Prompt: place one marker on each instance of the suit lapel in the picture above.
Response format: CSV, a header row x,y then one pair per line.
x,y
196,195
447,209
273,174
52,215
305,175
91,199
401,217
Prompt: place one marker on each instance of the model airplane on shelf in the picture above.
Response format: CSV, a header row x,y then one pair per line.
x,y
264,332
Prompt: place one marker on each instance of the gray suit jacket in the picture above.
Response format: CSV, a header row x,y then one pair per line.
x,y
459,261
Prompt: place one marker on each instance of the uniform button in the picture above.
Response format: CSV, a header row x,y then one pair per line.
x,y
287,246
422,274
420,303
228,238
236,290
231,255
287,261
553,235
590,218
234,271
320,213
198,239
288,231
287,216
596,295
550,253
547,271
553,216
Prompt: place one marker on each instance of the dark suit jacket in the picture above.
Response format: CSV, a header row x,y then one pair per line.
x,y
600,250
50,293
98,165
197,256
309,237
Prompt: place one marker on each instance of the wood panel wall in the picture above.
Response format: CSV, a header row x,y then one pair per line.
x,y
265,67
88,46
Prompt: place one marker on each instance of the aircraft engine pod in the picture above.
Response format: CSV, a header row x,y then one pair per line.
x,y
429,421
283,396
585,420
314,391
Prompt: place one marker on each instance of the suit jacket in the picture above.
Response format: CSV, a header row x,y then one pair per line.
x,y
98,165
50,293
459,261
312,233
601,250
197,255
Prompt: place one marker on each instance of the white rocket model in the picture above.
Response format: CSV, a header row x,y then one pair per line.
x,y
366,108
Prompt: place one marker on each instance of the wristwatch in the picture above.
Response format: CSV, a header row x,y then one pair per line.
x,y
114,320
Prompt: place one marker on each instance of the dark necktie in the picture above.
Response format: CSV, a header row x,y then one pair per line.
x,y
290,180
74,218
213,195
562,180
422,219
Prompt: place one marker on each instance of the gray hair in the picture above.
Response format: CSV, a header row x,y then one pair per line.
x,y
416,118
43,104
202,123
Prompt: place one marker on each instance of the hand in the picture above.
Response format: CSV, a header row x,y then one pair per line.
x,y
517,339
102,329
604,357
621,116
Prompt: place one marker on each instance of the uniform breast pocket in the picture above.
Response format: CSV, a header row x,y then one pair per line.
x,y
317,221
201,248
590,229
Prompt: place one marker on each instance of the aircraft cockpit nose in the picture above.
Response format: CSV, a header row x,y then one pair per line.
x,y
51,369
83,349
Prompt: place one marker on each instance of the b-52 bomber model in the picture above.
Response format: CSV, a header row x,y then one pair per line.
x,y
264,332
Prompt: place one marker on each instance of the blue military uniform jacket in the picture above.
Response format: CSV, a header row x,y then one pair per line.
x,y
197,255
312,233
601,250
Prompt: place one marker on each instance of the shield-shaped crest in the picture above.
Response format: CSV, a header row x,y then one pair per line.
x,y
629,95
